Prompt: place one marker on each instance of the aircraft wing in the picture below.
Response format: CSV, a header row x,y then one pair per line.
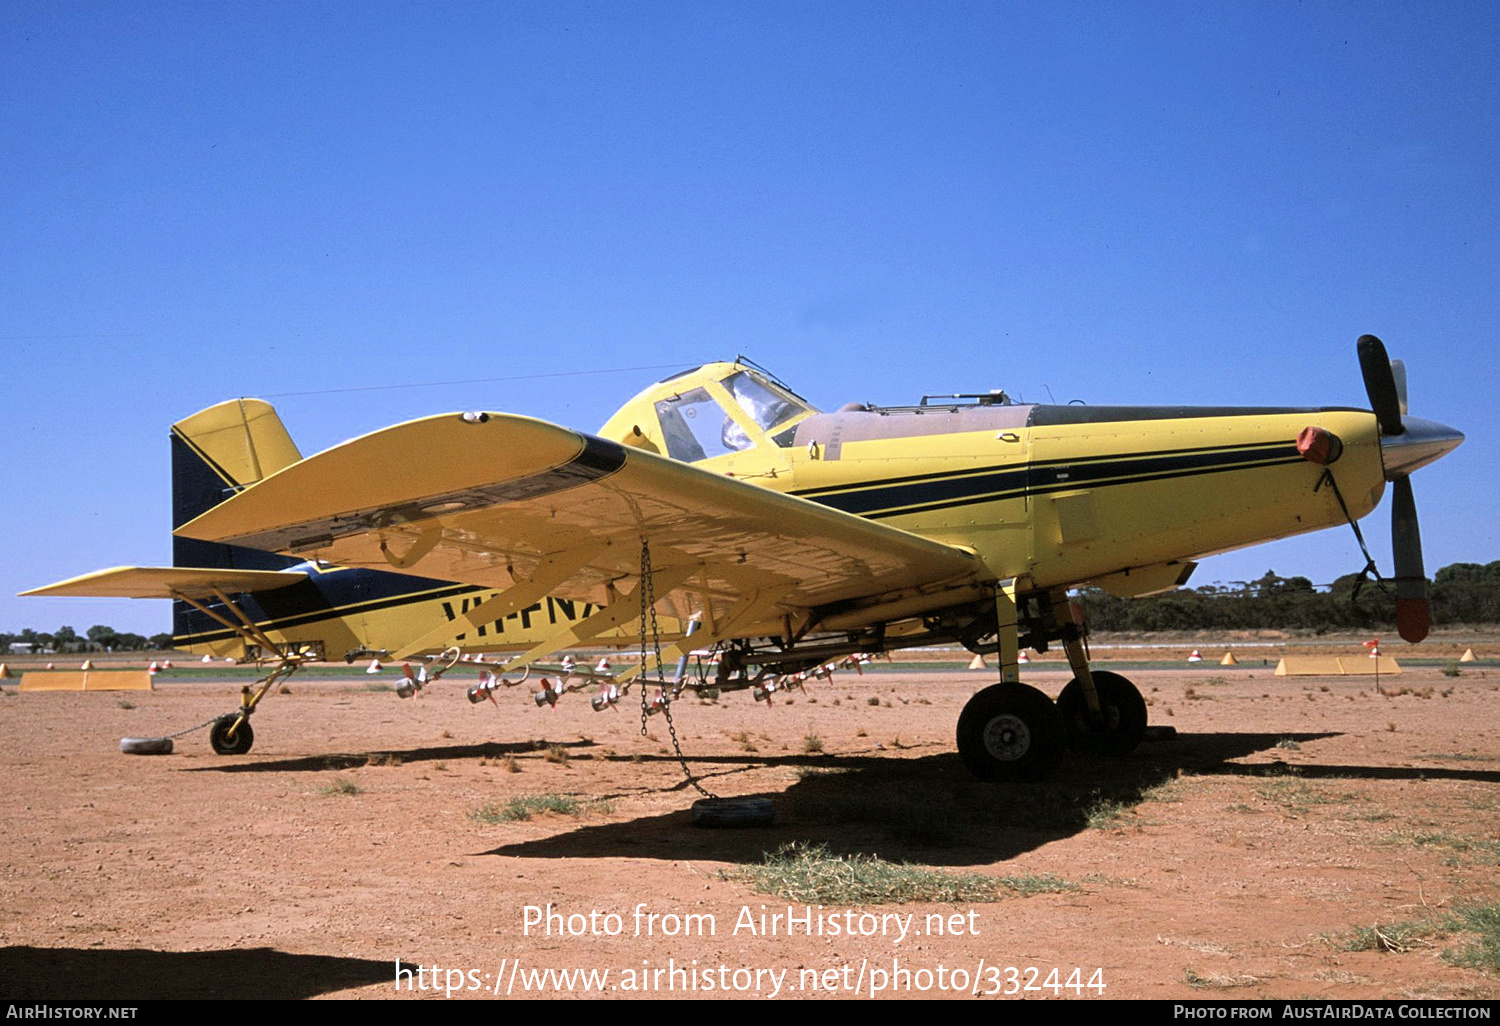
x,y
168,582
496,500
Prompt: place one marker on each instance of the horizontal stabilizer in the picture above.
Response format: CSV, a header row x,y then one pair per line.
x,y
160,582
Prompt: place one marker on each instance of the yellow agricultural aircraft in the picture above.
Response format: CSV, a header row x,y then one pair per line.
x,y
719,510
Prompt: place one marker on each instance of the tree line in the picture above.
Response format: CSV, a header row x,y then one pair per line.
x,y
1459,593
98,638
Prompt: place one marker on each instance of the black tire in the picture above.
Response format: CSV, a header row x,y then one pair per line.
x,y
1010,732
732,812
1124,716
218,736
146,745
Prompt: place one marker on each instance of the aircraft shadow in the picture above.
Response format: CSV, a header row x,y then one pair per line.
x,y
926,809
1213,755
100,974
1207,748
354,760
929,810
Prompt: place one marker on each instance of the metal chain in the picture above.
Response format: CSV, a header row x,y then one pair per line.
x,y
646,585
216,719
200,726
647,589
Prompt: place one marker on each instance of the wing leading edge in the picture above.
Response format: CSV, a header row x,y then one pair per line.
x,y
158,582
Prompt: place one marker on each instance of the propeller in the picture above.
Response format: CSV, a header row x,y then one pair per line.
x,y
1412,614
1406,443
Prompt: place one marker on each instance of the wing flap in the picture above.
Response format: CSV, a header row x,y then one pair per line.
x,y
168,582
483,498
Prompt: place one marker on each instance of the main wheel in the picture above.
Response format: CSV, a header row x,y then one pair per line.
x,y
1124,715
223,744
1010,732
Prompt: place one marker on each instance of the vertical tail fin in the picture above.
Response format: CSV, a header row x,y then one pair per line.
x,y
215,453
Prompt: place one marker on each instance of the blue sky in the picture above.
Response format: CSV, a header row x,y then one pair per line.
x,y
1114,202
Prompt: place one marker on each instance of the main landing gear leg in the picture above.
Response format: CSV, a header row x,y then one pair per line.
x,y
1102,712
1010,731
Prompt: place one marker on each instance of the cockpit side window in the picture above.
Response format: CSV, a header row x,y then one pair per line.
x,y
696,428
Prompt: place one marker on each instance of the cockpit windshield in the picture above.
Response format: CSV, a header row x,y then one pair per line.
x,y
766,404
696,427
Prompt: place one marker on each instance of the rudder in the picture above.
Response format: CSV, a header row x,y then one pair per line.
x,y
215,453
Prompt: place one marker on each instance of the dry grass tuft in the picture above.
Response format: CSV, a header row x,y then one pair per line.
x,y
341,785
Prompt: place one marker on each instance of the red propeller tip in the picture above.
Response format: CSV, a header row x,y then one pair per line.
x,y
1412,619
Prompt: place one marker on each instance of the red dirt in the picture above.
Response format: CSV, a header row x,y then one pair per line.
x,y
1234,860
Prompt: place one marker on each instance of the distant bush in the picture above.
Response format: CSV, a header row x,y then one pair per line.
x,y
1460,593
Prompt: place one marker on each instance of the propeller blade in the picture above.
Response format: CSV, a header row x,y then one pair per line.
x,y
1412,612
1380,384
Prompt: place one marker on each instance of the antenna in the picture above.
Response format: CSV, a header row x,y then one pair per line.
x,y
770,374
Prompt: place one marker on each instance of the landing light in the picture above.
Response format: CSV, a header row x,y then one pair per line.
x,y
1319,445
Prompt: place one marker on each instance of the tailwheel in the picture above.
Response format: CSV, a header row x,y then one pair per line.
x,y
223,744
1010,732
1122,708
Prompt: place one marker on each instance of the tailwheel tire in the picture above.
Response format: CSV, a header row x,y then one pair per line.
x,y
223,744
1124,710
1010,732
146,745
732,812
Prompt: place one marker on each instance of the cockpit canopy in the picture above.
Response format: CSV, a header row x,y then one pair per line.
x,y
715,410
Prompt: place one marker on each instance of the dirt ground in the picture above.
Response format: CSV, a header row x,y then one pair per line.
x,y
1297,837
